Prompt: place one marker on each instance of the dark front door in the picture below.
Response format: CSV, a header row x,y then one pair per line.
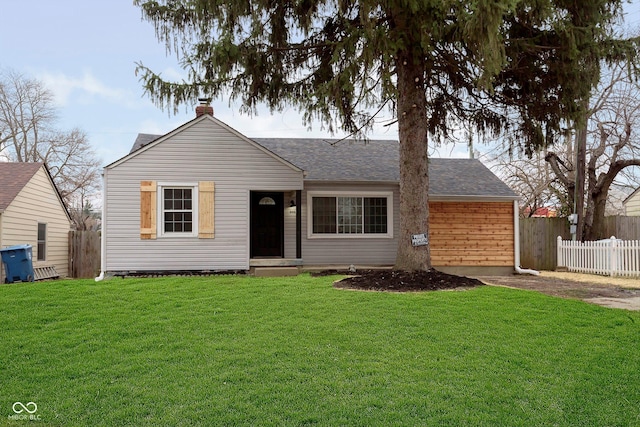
x,y
267,224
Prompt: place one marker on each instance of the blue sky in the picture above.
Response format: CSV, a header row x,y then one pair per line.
x,y
85,52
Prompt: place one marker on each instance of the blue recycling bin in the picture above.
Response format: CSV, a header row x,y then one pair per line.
x,y
18,264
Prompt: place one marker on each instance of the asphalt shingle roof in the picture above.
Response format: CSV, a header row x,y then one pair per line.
x,y
375,161
378,160
13,178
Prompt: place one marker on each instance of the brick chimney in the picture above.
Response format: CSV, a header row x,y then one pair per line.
x,y
204,107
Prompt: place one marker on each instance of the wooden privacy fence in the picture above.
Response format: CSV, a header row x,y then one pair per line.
x,y
538,241
539,236
611,257
84,254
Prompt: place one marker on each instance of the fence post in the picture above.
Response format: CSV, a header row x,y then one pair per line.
x,y
559,260
613,261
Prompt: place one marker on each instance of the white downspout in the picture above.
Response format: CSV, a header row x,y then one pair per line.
x,y
516,239
103,244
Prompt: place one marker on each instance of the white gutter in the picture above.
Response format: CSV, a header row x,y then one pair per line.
x,y
516,240
103,243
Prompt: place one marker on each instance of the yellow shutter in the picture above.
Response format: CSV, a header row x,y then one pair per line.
x,y
206,203
148,208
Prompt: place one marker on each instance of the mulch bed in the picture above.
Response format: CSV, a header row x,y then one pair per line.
x,y
401,281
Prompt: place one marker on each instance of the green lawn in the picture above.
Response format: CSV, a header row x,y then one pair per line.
x,y
294,351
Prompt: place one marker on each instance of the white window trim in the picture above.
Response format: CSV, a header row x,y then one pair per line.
x,y
387,235
46,242
160,198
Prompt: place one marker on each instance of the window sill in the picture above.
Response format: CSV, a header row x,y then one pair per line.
x,y
350,236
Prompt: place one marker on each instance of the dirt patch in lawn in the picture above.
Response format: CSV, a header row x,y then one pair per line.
x,y
607,291
570,285
402,281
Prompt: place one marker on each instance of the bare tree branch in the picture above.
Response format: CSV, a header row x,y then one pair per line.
x,y
28,134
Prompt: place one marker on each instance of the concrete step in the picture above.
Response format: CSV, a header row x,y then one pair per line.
x,y
274,271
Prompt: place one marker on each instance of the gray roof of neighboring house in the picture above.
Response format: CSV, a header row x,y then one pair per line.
x,y
375,161
13,178
142,140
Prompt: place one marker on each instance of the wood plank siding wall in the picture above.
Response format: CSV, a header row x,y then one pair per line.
x,y
472,233
202,151
38,203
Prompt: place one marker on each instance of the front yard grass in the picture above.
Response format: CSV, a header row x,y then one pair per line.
x,y
235,350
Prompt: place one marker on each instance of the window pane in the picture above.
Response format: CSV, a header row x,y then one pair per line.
x,y
324,214
178,215
168,222
349,215
375,215
42,231
42,241
168,198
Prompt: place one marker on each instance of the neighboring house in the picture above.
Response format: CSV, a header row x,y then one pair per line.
x,y
541,213
32,212
632,204
206,198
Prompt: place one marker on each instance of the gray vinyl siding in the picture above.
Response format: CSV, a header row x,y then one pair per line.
x,y
201,151
346,251
38,202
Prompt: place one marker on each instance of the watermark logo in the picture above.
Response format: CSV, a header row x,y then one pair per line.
x,y
20,407
24,411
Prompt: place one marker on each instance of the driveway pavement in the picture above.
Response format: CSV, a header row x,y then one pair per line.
x,y
605,291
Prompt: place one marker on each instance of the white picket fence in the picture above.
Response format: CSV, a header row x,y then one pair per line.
x,y
610,257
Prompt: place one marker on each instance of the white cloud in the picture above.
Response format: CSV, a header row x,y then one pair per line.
x,y
287,124
173,74
87,88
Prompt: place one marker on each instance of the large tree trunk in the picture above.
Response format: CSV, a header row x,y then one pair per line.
x,y
414,175
594,217
581,164
567,179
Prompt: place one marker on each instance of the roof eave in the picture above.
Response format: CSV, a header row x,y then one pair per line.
x,y
474,197
60,199
348,181
433,197
624,202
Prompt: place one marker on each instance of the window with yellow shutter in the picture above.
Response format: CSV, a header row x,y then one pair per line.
x,y
148,209
182,209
